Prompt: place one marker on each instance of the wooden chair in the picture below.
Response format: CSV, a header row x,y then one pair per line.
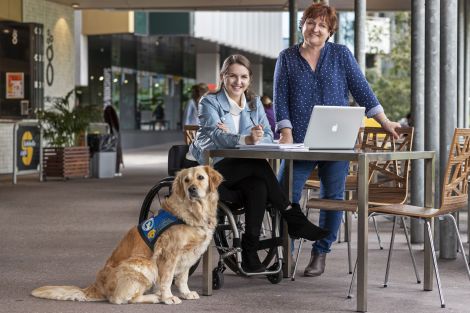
x,y
388,180
454,197
190,133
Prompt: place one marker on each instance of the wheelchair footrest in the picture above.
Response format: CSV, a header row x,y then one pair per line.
x,y
268,243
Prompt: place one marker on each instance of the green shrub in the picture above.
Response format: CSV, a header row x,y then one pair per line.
x,y
63,123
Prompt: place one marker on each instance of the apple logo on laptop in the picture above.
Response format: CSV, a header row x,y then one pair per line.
x,y
334,128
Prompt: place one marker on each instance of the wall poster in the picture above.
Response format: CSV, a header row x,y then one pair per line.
x,y
14,85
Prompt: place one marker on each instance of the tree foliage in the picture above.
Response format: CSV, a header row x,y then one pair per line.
x,y
392,84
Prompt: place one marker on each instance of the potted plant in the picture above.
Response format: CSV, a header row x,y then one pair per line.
x,y
63,126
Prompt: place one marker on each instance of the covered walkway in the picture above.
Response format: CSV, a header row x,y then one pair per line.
x,y
62,232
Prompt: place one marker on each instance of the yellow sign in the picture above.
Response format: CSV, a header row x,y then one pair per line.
x,y
27,145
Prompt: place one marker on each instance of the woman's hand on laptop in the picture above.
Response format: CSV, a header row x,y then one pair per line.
x,y
286,136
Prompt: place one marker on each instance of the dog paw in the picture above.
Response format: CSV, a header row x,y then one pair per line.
x,y
192,295
172,300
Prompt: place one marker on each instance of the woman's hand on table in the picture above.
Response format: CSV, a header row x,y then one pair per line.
x,y
286,136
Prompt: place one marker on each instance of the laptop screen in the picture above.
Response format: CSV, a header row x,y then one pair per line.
x,y
333,127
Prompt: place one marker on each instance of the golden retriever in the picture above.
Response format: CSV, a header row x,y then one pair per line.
x,y
134,268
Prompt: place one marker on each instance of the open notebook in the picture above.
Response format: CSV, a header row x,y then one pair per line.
x,y
274,146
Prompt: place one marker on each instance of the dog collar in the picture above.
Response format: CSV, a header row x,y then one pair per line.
x,y
152,228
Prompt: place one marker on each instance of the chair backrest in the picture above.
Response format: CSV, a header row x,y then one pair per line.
x,y
388,180
455,183
190,133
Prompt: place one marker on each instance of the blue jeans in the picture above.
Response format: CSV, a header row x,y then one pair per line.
x,y
332,179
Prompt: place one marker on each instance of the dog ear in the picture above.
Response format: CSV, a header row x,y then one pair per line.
x,y
215,178
178,186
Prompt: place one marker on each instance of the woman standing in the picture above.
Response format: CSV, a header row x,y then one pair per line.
x,y
318,72
232,116
190,116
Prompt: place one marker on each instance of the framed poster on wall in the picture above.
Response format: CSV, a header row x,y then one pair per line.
x,y
14,85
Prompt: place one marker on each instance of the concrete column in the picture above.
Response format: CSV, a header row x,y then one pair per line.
x,y
338,32
207,68
293,26
360,33
448,110
467,87
461,63
257,80
467,74
81,51
417,112
431,96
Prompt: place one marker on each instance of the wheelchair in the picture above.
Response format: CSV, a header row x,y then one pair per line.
x,y
230,226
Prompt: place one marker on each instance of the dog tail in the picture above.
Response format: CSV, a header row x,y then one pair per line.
x,y
71,293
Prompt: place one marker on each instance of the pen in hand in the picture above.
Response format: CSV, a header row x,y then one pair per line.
x,y
254,124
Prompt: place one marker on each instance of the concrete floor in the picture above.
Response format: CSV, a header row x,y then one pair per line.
x,y
61,232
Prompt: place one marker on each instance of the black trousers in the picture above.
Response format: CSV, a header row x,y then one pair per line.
x,y
255,185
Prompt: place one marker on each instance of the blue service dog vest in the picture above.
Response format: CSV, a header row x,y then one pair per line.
x,y
152,228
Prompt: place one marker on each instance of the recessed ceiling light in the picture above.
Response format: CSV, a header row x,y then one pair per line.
x,y
75,5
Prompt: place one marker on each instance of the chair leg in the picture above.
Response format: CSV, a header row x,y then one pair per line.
x,y
347,234
353,278
434,261
347,228
392,240
418,280
340,229
457,219
301,241
454,222
377,232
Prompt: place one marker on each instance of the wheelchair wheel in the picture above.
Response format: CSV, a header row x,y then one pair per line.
x,y
156,194
225,240
153,202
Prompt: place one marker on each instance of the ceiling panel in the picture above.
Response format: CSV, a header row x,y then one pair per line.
x,y
240,5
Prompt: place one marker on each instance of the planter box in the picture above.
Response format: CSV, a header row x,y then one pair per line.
x,y
66,162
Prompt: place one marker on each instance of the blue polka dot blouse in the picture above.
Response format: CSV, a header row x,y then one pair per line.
x,y
297,88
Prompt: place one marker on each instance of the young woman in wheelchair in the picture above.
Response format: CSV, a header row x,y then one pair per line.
x,y
233,116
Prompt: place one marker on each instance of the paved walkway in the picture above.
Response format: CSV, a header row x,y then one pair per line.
x,y
62,232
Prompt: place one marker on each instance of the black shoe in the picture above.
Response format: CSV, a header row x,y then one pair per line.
x,y
300,227
250,259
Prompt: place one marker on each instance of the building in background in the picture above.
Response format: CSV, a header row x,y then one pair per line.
x,y
149,60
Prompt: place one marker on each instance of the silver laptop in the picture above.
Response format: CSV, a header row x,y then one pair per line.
x,y
333,127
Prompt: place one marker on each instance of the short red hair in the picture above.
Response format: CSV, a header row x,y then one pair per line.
x,y
321,10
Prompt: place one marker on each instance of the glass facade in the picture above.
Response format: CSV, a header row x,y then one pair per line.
x,y
148,78
144,78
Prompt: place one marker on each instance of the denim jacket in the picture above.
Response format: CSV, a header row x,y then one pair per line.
x,y
215,108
